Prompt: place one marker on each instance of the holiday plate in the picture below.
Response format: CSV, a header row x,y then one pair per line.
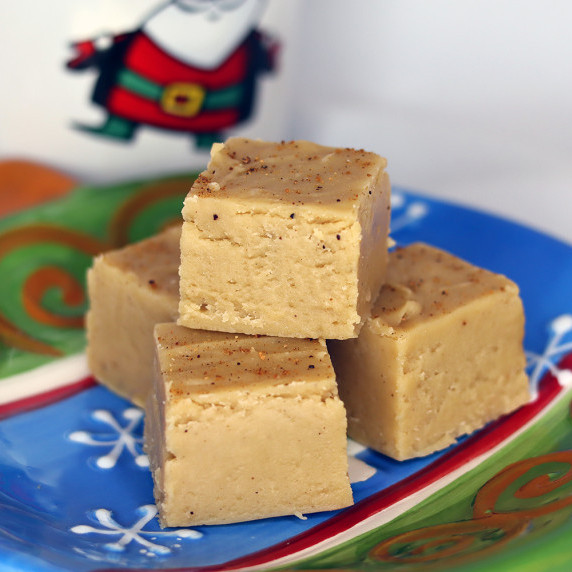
x,y
75,488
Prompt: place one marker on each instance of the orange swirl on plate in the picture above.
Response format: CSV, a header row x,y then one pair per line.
x,y
44,278
490,526
123,219
39,282
454,539
558,472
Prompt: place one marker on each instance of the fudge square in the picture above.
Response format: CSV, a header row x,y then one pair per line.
x,y
440,356
285,239
244,427
130,290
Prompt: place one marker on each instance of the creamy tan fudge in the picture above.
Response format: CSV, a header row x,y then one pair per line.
x,y
130,290
244,427
440,356
285,239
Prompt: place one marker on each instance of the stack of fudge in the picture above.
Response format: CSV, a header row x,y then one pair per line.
x,y
220,325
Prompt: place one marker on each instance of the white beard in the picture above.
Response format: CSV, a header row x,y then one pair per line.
x,y
203,33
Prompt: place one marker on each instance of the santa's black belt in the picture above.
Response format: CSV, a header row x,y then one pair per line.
x,y
180,98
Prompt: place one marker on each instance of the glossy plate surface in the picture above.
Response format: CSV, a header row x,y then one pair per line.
x,y
75,489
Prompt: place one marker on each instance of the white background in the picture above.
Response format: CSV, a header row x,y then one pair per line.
x,y
470,100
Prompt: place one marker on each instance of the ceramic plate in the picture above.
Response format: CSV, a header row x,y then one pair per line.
x,y
75,489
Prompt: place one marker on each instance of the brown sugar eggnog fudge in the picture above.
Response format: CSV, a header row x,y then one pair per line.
x,y
440,356
244,427
285,239
130,290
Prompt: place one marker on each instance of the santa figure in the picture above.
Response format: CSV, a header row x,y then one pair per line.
x,y
190,67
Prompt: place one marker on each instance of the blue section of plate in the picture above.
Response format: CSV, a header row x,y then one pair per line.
x,y
75,491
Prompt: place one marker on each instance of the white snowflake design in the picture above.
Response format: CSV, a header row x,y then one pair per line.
x,y
413,211
135,533
122,437
553,352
